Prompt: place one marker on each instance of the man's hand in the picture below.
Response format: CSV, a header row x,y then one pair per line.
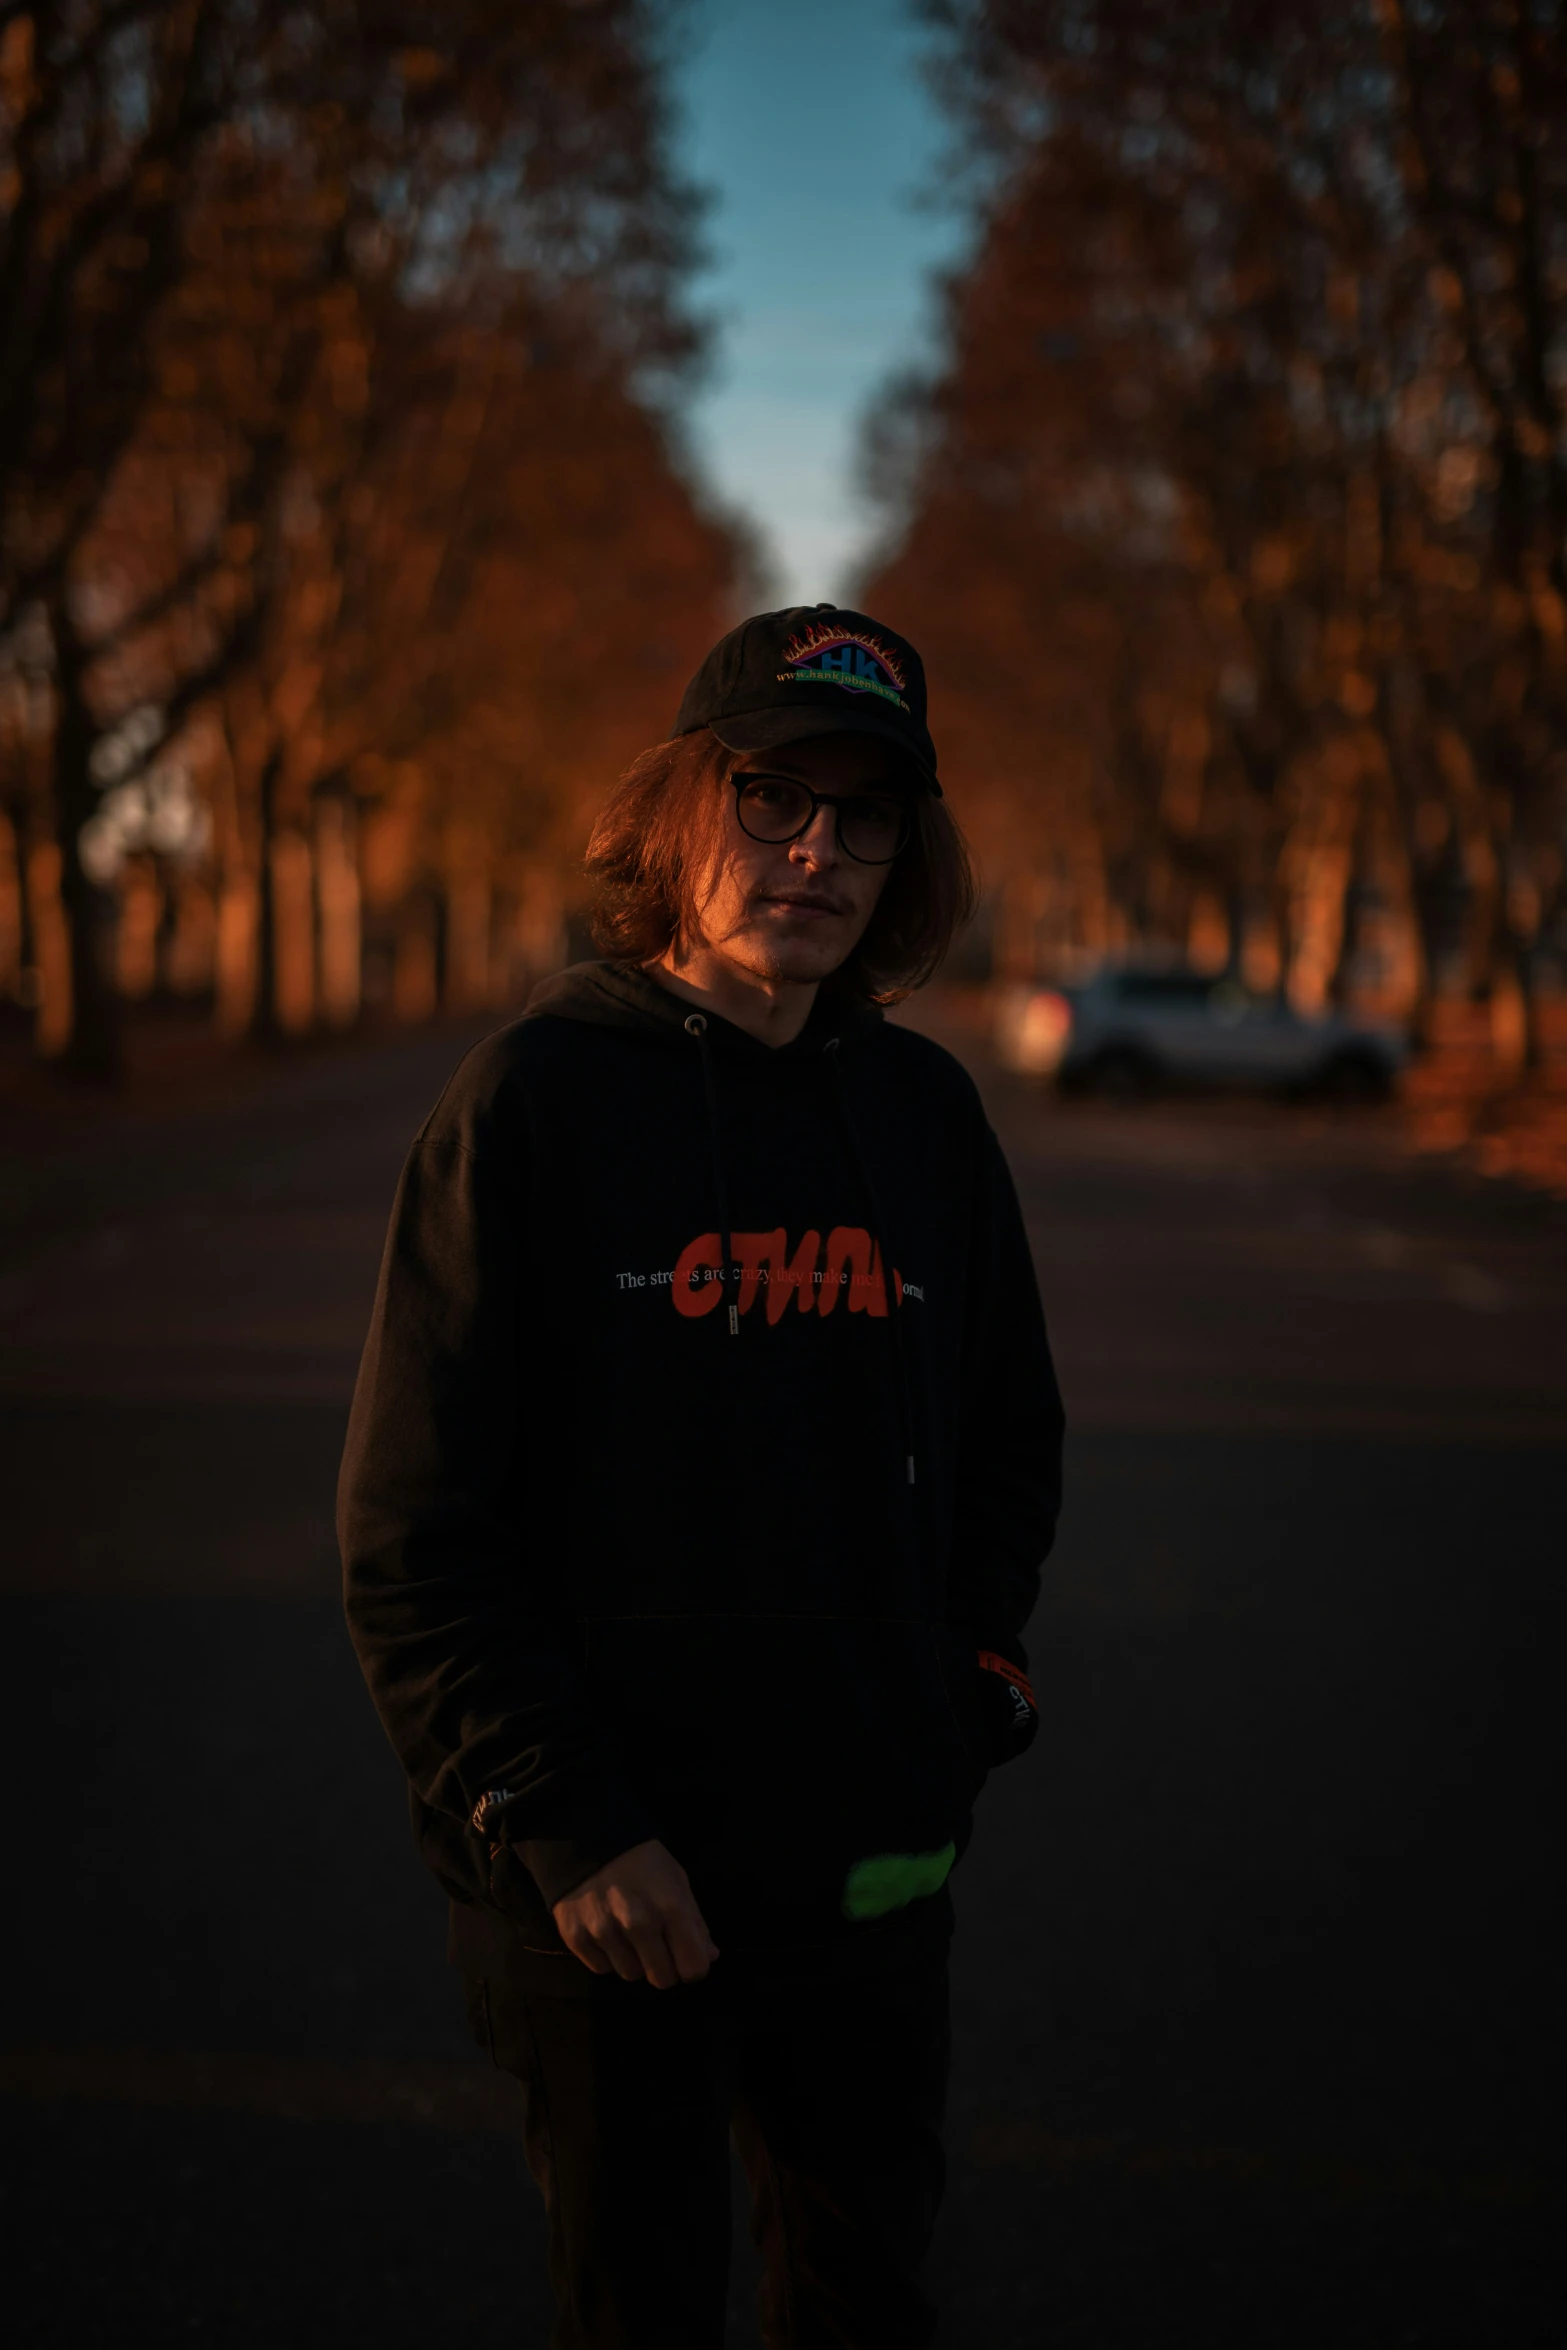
x,y
637,1918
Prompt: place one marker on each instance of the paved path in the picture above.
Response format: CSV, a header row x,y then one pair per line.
x,y
1258,2024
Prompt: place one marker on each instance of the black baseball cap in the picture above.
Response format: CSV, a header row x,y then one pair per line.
x,y
813,669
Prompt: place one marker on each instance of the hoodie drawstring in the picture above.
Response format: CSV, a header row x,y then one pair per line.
x,y
889,1278
696,1026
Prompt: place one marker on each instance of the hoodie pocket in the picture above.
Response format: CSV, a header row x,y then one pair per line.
x,y
778,1751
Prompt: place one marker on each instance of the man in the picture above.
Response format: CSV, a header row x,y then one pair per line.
x,y
703,1458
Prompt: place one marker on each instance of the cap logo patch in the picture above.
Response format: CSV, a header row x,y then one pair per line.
x,y
838,656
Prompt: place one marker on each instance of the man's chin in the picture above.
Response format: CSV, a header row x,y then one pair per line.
x,y
794,961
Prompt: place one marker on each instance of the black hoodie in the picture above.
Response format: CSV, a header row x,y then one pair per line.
x,y
650,1531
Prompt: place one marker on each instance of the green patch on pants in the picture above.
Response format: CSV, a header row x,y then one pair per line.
x,y
891,1880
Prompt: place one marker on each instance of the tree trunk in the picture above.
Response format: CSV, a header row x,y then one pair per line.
x,y
1512,1007
140,923
264,1020
236,948
468,920
13,919
96,1049
416,974
290,873
237,913
341,947
49,997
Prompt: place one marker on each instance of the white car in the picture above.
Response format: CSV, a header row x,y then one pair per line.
x,y
1127,1032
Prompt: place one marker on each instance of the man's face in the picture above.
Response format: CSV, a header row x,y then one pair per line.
x,y
796,910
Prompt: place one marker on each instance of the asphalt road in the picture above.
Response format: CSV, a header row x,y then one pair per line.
x,y
1259,2018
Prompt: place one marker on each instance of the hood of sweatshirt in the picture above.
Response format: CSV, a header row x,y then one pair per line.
x,y
618,995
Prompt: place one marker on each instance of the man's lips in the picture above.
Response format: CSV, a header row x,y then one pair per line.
x,y
794,905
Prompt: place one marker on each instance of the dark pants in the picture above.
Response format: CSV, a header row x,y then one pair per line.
x,y
834,2092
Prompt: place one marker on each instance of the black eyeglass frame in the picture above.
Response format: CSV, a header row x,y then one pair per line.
x,y
837,801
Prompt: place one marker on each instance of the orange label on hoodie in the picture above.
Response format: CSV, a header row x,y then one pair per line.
x,y
811,1278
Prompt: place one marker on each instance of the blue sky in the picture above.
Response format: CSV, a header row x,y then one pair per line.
x,y
810,125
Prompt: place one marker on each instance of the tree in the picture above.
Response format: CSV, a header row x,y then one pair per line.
x,y
1207,361
223,236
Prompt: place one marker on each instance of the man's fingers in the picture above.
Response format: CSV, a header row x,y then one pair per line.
x,y
670,1935
617,1947
641,1923
691,1946
658,1963
591,1932
581,1944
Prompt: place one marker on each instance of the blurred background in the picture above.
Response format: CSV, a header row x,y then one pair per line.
x,y
396,401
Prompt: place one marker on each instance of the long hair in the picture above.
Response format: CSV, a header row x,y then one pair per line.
x,y
657,842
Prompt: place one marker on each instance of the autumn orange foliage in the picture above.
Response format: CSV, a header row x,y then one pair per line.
x,y
346,550
1235,517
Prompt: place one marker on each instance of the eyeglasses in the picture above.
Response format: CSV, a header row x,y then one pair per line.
x,y
873,827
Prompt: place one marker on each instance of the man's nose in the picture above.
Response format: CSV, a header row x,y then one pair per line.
x,y
819,840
